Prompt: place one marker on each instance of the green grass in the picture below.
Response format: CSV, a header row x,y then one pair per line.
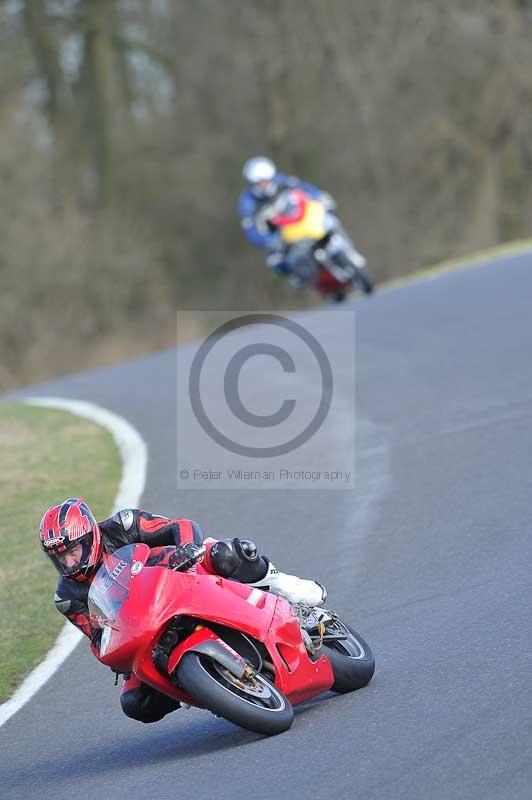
x,y
45,457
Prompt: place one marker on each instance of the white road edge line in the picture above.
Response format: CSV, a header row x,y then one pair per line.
x,y
134,455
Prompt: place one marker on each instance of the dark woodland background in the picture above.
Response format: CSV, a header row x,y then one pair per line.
x,y
124,125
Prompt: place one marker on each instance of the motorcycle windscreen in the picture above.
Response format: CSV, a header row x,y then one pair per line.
x,y
110,587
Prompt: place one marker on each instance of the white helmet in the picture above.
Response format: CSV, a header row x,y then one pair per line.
x,y
260,172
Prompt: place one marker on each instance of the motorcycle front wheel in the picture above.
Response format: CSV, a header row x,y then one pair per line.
x,y
253,703
351,659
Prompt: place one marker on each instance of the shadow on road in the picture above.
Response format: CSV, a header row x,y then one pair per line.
x,y
199,736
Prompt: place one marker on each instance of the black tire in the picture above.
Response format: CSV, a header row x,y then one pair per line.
x,y
339,296
260,707
363,281
352,661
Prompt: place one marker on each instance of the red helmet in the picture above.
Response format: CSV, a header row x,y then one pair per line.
x,y
70,536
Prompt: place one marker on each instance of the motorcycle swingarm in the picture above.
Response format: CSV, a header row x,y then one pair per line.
x,y
209,644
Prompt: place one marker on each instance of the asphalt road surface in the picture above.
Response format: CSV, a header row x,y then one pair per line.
x,y
429,557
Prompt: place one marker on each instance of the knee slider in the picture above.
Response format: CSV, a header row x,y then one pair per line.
x,y
246,549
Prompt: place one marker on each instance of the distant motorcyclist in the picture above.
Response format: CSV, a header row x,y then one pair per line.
x,y
76,543
264,183
297,225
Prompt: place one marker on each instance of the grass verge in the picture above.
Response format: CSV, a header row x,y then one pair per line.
x,y
46,456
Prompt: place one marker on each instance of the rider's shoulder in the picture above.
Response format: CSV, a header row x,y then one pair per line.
x,y
292,182
287,180
246,202
126,518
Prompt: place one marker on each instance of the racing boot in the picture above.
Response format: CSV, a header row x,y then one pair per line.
x,y
296,281
297,591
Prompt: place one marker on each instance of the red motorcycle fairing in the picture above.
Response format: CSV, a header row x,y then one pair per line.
x,y
203,640
326,283
154,595
296,675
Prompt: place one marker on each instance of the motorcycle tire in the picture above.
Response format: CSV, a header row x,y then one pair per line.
x,y
255,704
339,296
362,280
351,659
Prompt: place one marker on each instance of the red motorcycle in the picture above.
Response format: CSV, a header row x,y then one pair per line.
x,y
214,643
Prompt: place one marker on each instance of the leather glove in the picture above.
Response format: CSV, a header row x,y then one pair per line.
x,y
186,555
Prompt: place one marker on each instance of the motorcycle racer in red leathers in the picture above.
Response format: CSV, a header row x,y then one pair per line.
x,y
76,543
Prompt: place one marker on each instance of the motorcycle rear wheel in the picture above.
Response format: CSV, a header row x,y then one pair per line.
x,y
254,704
351,659
361,278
